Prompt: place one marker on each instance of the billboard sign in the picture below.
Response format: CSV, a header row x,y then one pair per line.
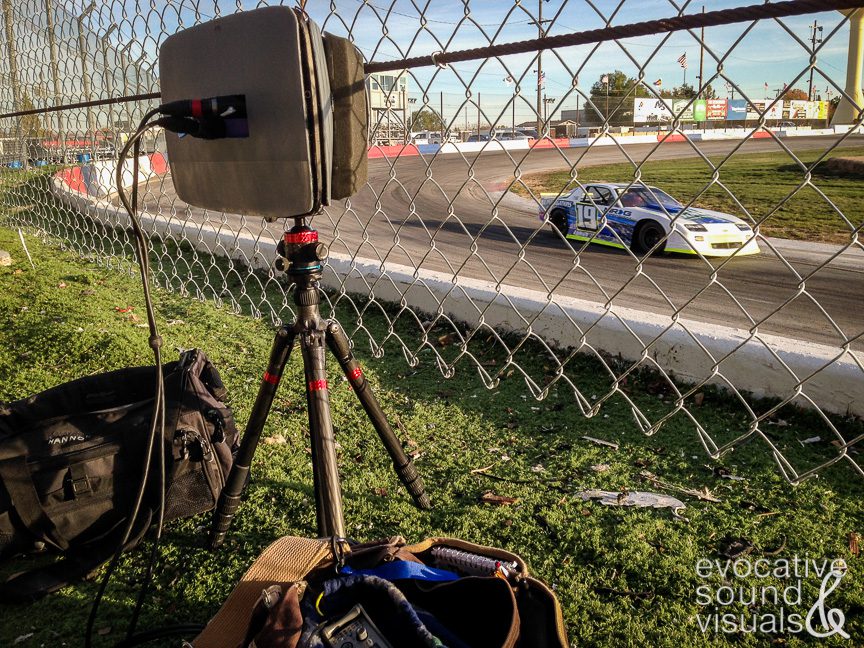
x,y
715,109
699,110
774,111
798,108
736,110
822,111
755,110
651,110
682,108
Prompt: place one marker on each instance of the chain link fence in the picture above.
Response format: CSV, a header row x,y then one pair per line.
x,y
451,238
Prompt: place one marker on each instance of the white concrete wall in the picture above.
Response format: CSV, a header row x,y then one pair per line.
x,y
753,365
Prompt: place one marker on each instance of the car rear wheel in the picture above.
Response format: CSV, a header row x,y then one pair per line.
x,y
558,219
646,236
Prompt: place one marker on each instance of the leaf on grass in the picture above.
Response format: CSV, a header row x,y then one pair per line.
x,y
22,638
483,469
703,494
104,631
724,473
854,547
734,547
121,309
698,399
640,499
381,491
62,284
499,500
609,444
446,340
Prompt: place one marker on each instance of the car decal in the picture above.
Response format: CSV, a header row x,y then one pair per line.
x,y
579,237
702,217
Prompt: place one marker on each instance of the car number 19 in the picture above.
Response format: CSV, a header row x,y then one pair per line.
x,y
586,217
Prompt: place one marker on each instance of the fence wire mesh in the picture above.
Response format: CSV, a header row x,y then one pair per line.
x,y
457,238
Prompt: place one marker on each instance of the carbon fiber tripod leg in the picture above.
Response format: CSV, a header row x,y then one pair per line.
x,y
229,499
339,346
328,496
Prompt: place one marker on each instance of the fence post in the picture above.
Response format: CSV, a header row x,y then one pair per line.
x,y
55,75
82,53
108,78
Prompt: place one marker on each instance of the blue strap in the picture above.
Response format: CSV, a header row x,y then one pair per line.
x,y
404,569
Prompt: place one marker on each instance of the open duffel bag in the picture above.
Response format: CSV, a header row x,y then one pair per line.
x,y
387,594
72,460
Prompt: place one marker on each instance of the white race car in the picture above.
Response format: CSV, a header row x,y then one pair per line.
x,y
640,216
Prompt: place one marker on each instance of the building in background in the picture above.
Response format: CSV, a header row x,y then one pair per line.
x,y
388,105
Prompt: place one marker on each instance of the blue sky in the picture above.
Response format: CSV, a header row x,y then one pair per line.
x,y
767,52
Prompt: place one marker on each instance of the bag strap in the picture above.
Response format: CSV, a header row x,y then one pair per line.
x,y
26,587
287,560
19,485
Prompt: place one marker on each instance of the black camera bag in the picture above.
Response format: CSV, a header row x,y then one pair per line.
x,y
72,461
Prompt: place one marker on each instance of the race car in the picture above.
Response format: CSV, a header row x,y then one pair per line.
x,y
639,216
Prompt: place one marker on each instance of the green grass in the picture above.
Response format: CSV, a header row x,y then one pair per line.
x,y
59,322
759,181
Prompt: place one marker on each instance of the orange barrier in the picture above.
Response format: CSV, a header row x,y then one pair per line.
x,y
393,151
547,142
158,164
74,179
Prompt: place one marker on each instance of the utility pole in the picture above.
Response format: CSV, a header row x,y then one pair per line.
x,y
540,34
701,58
82,53
13,75
441,115
124,63
815,39
478,116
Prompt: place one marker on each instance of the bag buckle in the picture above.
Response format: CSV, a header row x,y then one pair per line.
x,y
79,482
341,550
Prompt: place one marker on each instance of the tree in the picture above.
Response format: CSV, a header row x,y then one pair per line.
x,y
832,106
685,91
708,93
619,85
31,125
795,93
425,119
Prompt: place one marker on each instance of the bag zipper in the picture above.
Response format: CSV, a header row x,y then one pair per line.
x,y
74,456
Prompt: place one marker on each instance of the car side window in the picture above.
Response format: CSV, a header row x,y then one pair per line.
x,y
600,195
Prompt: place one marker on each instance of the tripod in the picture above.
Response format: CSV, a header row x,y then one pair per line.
x,y
301,256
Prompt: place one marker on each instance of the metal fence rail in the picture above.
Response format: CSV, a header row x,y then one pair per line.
x,y
439,243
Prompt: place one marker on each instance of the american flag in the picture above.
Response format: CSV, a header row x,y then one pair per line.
x,y
682,60
541,82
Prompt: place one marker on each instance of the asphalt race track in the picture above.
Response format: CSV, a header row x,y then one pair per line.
x,y
447,214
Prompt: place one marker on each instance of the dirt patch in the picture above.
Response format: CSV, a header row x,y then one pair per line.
x,y
844,166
